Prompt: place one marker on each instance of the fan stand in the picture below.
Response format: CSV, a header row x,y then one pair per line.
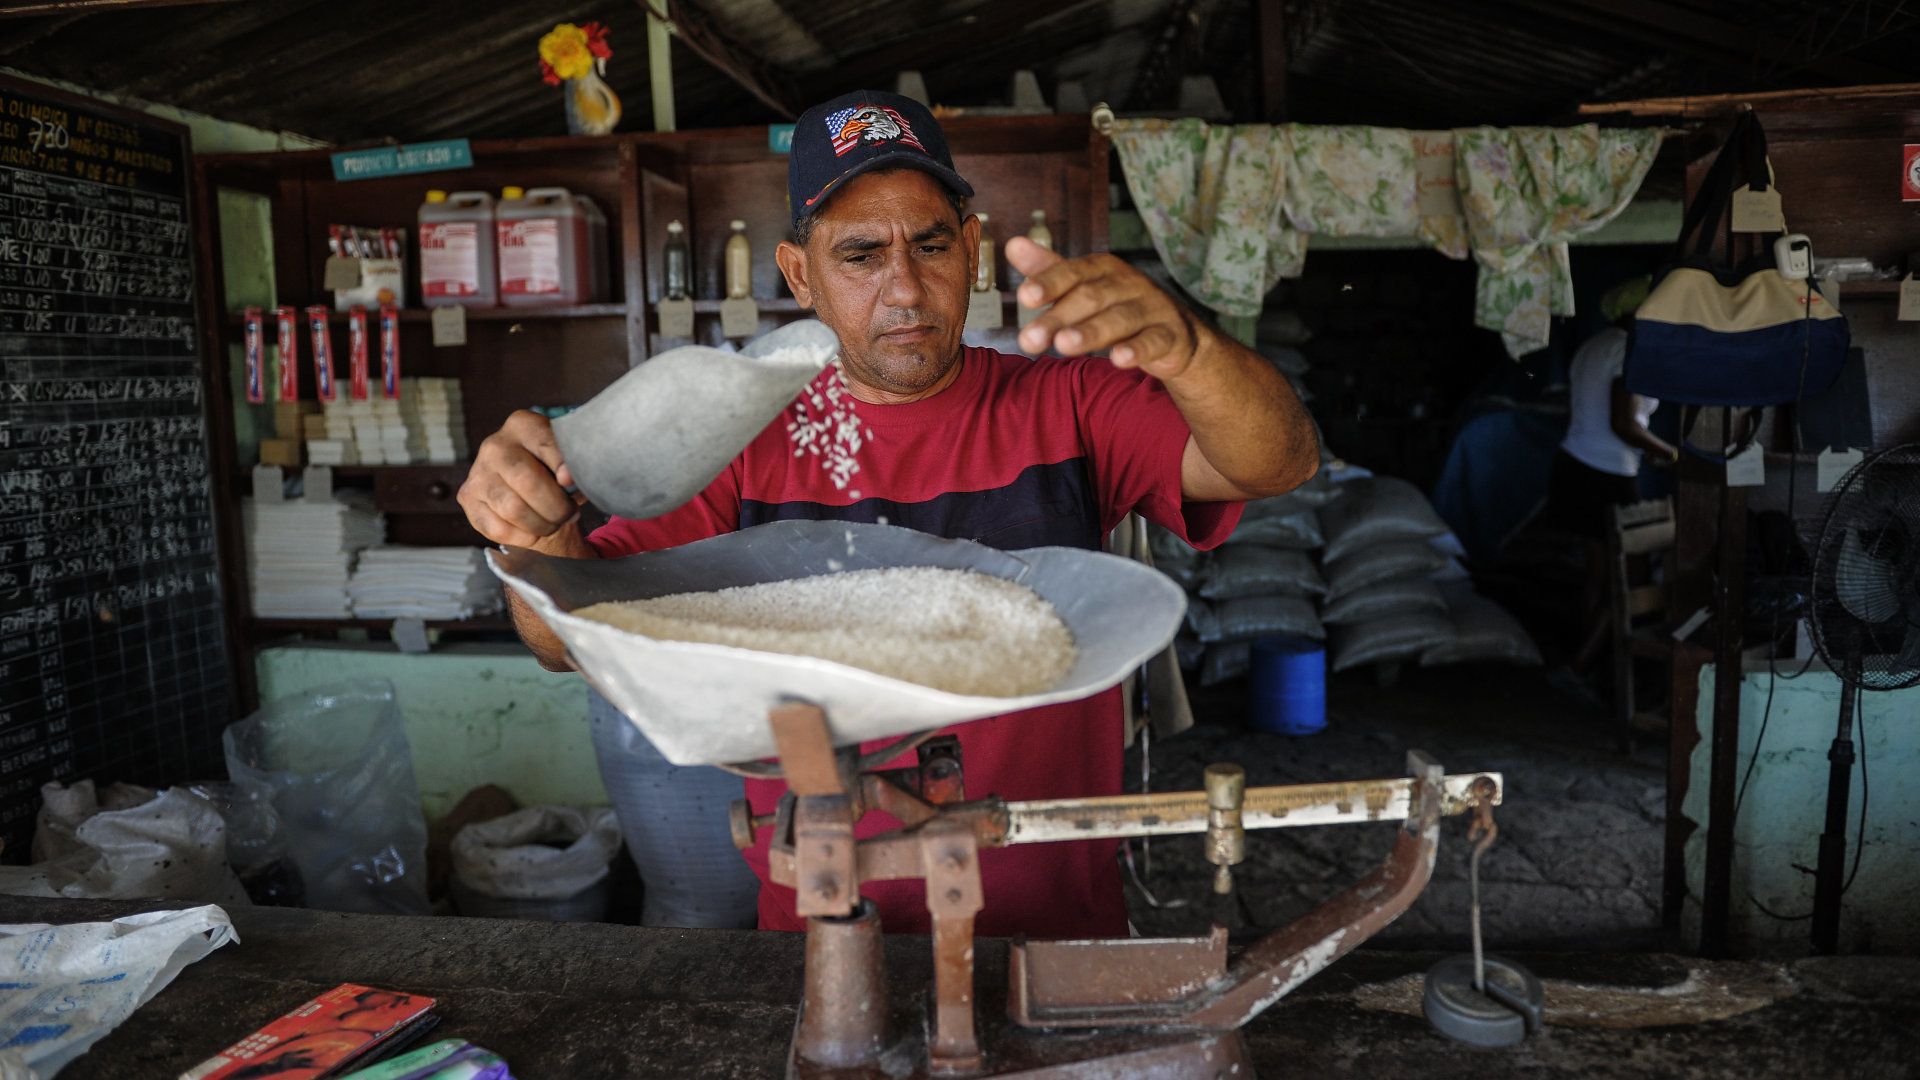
x,y
1829,879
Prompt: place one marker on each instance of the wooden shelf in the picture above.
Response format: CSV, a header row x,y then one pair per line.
x,y
487,623
1850,290
487,314
784,305
776,304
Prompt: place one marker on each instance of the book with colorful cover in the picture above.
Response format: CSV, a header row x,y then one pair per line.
x,y
319,1038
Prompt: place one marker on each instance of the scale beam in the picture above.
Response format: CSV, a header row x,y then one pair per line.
x,y
1175,812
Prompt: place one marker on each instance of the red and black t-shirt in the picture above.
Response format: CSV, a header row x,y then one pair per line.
x,y
1015,453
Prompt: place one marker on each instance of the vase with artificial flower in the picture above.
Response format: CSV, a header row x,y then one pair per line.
x,y
577,57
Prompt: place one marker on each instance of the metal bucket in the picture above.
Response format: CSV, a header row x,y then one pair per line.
x,y
706,704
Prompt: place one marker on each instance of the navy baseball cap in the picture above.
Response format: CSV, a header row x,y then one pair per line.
x,y
860,132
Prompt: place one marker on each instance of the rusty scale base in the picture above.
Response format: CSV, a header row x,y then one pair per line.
x,y
1158,1008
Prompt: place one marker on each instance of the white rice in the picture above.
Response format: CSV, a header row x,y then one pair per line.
x,y
953,630
825,425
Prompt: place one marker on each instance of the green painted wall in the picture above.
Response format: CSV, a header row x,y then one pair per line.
x,y
1785,809
475,714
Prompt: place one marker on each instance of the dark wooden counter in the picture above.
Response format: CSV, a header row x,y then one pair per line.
x,y
590,1001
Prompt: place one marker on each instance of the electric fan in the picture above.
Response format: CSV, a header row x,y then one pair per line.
x,y
1864,616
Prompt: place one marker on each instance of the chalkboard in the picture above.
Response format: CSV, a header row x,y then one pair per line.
x,y
113,655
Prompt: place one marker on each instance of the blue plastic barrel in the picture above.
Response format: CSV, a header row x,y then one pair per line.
x,y
1287,686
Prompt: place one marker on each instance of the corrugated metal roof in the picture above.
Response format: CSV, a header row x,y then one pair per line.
x,y
361,70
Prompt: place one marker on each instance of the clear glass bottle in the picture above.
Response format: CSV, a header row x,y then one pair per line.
x,y
983,277
739,262
679,261
1039,233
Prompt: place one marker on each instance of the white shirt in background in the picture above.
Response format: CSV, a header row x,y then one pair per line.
x,y
1590,438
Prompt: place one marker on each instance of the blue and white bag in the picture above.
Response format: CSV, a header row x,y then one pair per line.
x,y
1716,333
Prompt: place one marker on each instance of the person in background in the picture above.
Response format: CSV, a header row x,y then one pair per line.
x,y
1598,464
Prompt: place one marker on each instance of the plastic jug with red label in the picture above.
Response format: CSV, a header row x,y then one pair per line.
x,y
552,246
457,260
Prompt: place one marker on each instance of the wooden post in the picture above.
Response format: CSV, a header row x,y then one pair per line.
x,y
660,65
1270,20
1729,613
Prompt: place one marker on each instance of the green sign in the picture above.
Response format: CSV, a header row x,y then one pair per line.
x,y
397,160
780,138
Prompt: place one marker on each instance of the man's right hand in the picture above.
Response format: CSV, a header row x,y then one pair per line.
x,y
516,491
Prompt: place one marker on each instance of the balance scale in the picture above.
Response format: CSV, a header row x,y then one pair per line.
x,y
1167,1008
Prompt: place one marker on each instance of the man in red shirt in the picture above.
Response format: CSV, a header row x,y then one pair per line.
x,y
1175,421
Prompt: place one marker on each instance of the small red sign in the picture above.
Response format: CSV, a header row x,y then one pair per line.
x,y
1910,174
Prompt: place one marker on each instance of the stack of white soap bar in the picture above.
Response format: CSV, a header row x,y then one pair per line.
x,y
423,582
300,554
425,426
329,440
435,421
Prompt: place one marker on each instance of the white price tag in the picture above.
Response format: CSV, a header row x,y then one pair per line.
x,y
410,635
316,484
269,484
984,311
1833,466
1748,468
1028,314
1758,211
449,326
340,273
1909,300
739,318
676,318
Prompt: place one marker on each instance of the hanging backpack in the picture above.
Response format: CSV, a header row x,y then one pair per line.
x,y
1716,332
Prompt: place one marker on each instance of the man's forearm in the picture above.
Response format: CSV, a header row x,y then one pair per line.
x,y
540,639
1246,420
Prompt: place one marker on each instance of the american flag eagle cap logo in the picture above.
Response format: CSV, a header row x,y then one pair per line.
x,y
869,123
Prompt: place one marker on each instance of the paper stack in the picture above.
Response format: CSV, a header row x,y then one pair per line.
x,y
300,554
436,425
425,426
424,583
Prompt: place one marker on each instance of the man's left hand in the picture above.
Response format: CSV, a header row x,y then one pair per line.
x,y
1101,304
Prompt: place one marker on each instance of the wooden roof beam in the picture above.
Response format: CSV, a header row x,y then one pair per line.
x,y
1691,32
698,31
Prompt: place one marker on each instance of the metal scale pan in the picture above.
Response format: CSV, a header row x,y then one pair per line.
x,y
706,704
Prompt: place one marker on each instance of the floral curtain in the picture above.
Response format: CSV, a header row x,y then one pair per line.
x,y
1230,208
1526,192
1211,200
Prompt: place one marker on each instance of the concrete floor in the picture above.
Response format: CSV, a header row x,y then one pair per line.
x,y
1577,862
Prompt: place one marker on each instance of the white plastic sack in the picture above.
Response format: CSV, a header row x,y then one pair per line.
x,y
133,843
1483,631
67,986
1400,637
1385,600
341,774
1376,563
1260,616
512,858
1377,509
1242,570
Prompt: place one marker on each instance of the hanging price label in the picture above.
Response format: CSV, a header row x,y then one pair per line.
x,y
676,318
1748,468
1758,211
1833,466
449,326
